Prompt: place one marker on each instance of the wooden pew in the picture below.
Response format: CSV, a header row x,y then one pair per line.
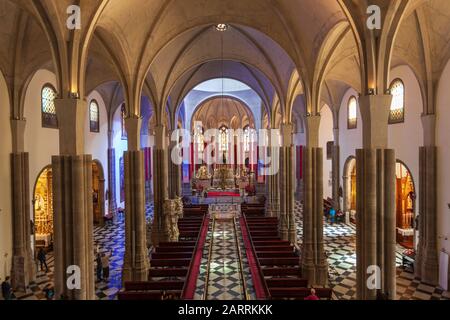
x,y
153,285
299,293
167,272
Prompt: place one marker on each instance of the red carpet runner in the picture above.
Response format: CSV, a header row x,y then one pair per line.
x,y
191,282
252,263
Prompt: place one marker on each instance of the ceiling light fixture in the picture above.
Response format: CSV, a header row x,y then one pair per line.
x,y
221,27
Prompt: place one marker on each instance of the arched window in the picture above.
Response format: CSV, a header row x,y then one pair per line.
x,y
247,139
94,116
352,113
223,139
397,113
48,109
123,115
199,138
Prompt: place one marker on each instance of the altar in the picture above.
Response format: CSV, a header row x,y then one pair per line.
x,y
223,178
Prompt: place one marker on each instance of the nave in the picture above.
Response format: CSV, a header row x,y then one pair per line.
x,y
224,270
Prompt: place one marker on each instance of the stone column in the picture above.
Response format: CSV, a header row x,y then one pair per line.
x,y
174,172
136,261
160,183
112,203
336,170
73,225
426,265
72,200
23,270
287,227
375,217
314,262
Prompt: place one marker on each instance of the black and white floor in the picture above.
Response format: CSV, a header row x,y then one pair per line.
x,y
339,245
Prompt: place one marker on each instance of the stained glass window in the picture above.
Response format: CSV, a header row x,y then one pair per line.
x,y
352,113
94,117
48,96
397,113
223,138
247,139
199,138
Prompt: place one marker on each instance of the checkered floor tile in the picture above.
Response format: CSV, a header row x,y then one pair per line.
x,y
110,237
340,246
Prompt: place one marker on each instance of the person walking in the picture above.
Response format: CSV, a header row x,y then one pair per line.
x,y
99,267
42,259
6,289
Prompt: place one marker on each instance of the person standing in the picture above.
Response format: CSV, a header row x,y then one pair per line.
x,y
105,265
6,289
42,259
312,295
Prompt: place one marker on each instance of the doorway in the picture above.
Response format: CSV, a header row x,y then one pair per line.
x,y
405,201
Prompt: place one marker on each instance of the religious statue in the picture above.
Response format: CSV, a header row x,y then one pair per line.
x,y
172,212
202,173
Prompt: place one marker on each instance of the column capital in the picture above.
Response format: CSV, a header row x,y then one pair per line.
x,y
133,126
375,116
71,115
160,137
312,123
429,129
18,135
286,134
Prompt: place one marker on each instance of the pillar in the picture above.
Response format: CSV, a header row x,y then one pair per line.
x,y
336,170
73,225
112,203
375,216
23,270
314,262
136,261
288,228
72,200
174,171
426,265
160,183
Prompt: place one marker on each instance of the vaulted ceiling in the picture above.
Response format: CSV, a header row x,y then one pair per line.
x,y
163,48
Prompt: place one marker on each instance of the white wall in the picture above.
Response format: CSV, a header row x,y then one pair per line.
x,y
325,135
349,139
5,178
120,147
443,158
40,143
406,138
96,143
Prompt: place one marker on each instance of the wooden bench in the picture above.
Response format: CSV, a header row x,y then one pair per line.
x,y
287,282
299,293
153,285
167,272
280,272
149,295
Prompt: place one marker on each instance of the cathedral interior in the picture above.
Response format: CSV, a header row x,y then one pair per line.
x,y
225,150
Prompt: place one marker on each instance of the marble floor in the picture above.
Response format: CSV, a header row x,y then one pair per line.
x,y
340,246
110,237
223,277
